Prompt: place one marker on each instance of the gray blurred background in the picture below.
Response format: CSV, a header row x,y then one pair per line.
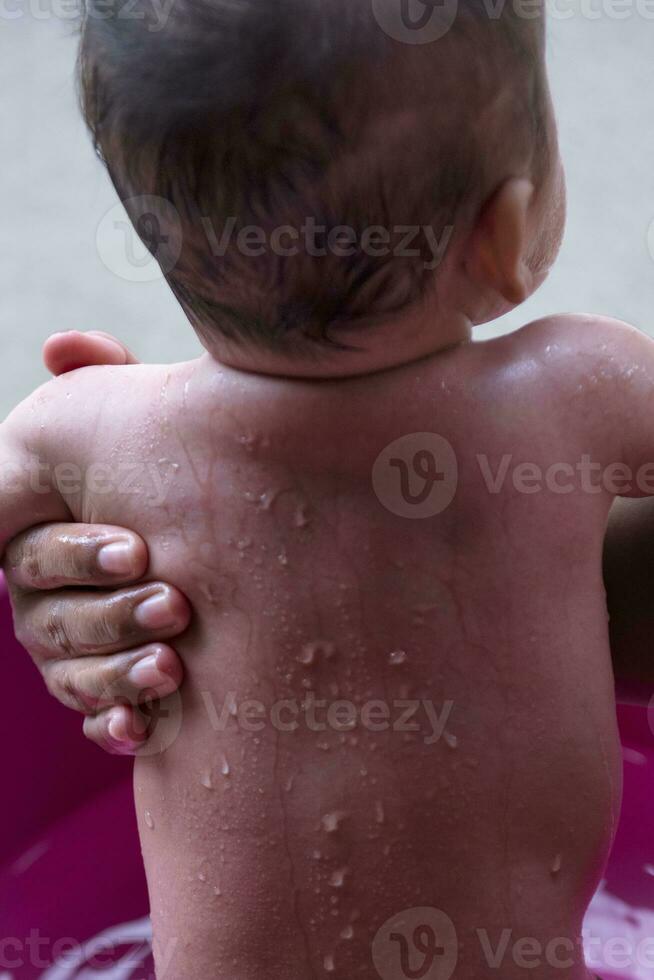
x,y
54,194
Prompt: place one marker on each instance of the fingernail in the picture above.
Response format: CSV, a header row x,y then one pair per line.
x,y
110,342
116,558
115,728
146,674
119,735
155,613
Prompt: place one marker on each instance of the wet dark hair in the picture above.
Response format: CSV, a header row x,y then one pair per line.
x,y
266,113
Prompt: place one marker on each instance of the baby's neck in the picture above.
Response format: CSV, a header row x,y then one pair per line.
x,y
357,350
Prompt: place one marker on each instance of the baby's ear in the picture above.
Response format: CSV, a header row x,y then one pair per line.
x,y
499,242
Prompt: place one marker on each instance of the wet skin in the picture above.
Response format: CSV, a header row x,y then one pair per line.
x,y
279,850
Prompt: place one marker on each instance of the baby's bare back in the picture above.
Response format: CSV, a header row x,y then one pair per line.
x,y
396,746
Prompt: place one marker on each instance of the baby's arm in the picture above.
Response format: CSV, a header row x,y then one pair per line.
x,y
603,370
629,577
629,549
624,358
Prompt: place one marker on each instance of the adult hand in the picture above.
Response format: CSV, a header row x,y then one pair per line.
x,y
98,637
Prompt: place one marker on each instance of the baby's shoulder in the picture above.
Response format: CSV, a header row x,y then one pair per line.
x,y
579,379
577,340
66,414
578,354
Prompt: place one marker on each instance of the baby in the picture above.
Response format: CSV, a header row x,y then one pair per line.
x,y
395,754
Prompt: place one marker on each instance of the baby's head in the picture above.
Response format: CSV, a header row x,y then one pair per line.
x,y
344,197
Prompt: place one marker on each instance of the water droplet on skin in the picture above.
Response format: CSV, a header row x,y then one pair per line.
x,y
332,821
249,441
202,876
289,783
329,964
217,890
380,816
267,499
347,933
556,864
210,593
244,544
451,740
300,518
397,658
282,558
338,877
149,820
225,768
207,781
307,655
425,607
312,651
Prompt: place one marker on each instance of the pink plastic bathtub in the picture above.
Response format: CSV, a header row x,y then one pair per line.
x,y
73,901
